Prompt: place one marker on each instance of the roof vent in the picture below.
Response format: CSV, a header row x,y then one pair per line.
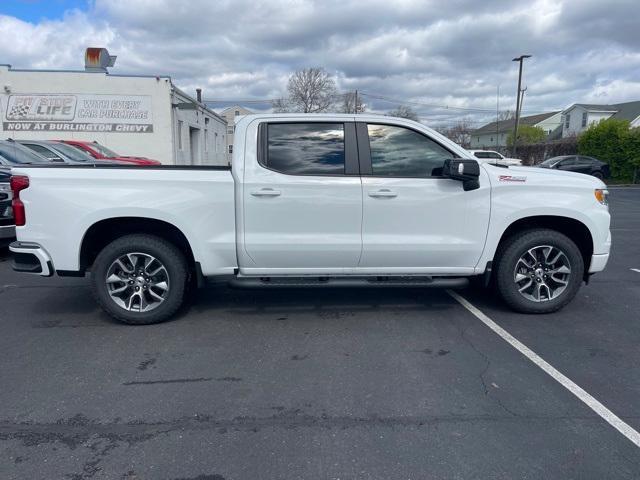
x,y
98,59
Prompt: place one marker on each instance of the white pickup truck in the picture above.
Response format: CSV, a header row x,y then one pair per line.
x,y
313,200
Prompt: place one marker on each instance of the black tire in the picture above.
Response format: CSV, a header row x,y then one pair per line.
x,y
598,175
167,253
517,245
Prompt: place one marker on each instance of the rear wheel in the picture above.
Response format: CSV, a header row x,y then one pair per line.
x,y
598,175
539,271
139,279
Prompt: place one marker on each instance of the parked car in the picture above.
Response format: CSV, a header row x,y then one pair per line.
x,y
496,158
7,227
578,164
100,152
314,200
12,153
55,151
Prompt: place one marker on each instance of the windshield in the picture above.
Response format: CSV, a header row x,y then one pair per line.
x,y
104,150
71,152
15,153
487,155
551,161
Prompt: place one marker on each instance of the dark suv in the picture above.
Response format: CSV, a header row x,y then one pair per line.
x,y
578,163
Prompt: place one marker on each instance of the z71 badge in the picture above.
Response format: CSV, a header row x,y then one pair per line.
x,y
510,178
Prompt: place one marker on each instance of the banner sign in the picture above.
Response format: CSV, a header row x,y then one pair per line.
x,y
78,113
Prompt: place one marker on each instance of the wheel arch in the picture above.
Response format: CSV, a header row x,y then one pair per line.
x,y
577,231
103,232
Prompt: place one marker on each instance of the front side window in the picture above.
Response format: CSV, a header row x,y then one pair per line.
x,y
306,148
401,152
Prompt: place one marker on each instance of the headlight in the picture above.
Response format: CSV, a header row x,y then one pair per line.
x,y
602,195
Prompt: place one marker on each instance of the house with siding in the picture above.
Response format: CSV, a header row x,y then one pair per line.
x,y
494,134
579,116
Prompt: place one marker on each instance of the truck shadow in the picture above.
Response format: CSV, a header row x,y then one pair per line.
x,y
324,302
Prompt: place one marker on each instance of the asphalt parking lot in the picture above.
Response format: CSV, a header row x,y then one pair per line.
x,y
330,384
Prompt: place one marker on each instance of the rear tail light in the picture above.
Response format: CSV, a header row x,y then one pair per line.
x,y
18,183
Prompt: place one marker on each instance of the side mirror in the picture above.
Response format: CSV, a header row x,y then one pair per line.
x,y
465,170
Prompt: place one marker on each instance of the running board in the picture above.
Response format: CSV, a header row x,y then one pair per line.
x,y
314,282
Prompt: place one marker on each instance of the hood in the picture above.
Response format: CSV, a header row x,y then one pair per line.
x,y
542,176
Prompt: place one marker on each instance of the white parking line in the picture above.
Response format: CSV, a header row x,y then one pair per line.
x,y
567,383
636,270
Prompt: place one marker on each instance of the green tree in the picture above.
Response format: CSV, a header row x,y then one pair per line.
x,y
527,135
613,142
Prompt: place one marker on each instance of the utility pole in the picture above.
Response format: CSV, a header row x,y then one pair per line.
x,y
355,105
497,118
519,59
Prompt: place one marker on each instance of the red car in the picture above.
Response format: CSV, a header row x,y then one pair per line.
x,y
100,152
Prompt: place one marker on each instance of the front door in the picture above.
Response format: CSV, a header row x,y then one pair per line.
x,y
303,200
415,221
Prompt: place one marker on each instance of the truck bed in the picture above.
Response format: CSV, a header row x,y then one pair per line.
x,y
198,200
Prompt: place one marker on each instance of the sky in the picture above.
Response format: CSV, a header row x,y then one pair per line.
x,y
447,60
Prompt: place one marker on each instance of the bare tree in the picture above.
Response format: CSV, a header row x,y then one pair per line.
x,y
311,90
506,115
352,103
459,132
404,111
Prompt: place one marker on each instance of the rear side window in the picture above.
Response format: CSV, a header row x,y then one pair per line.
x,y
306,148
401,152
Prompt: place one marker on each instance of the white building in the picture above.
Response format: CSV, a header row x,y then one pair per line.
x,y
231,115
579,116
134,115
494,135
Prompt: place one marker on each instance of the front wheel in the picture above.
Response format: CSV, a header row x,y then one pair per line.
x,y
539,271
139,279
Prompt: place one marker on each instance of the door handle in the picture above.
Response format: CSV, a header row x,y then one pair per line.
x,y
266,192
383,193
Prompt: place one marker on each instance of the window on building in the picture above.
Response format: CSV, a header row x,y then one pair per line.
x,y
567,120
180,134
230,130
584,119
215,143
401,152
306,148
230,148
237,112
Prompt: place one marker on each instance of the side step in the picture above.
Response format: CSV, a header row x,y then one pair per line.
x,y
340,282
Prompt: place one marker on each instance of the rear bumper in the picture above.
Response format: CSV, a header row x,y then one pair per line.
x,y
31,258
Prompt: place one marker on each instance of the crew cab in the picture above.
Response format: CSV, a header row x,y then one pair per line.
x,y
314,200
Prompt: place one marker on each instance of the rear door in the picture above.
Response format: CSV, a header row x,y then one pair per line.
x,y
303,199
414,220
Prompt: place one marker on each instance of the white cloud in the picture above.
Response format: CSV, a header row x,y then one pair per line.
x,y
453,53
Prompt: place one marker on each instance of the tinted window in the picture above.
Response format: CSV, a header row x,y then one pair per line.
x,y
568,161
487,155
306,148
45,152
72,152
15,153
400,152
